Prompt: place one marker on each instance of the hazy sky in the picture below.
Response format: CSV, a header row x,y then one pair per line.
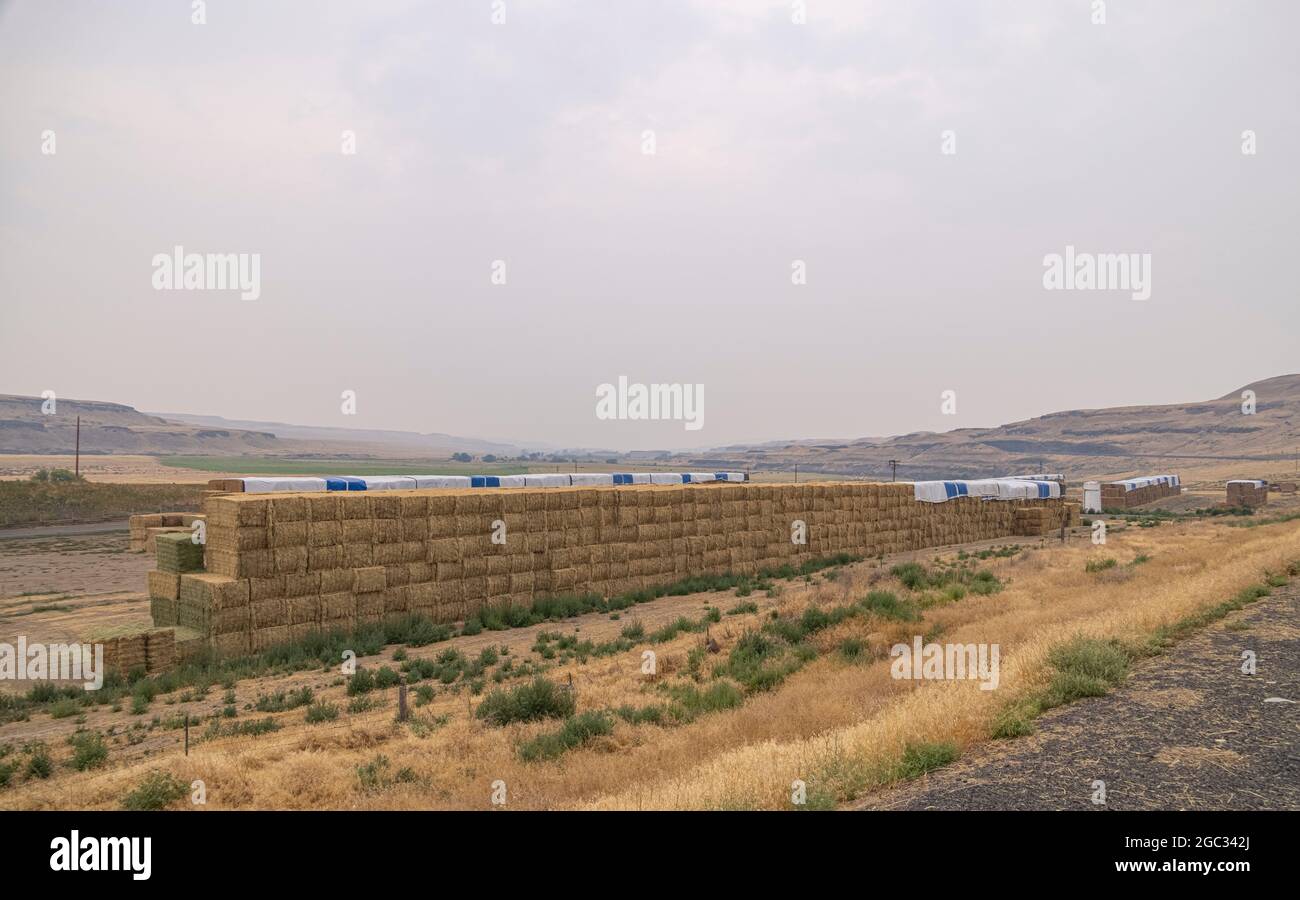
x,y
523,142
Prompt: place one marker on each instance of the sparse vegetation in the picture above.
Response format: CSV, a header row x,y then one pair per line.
x,y
576,731
158,790
88,750
321,711
531,702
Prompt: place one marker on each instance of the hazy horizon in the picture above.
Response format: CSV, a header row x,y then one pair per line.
x,y
774,142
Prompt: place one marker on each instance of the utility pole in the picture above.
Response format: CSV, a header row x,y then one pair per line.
x,y
893,466
796,473
77,458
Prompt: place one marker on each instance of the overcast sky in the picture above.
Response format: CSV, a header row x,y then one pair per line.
x,y
524,142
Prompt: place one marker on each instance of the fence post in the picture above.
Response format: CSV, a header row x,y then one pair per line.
x,y
187,734
401,703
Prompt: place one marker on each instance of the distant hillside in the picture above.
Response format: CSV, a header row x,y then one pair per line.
x,y
411,441
117,428
1076,442
114,428
1088,442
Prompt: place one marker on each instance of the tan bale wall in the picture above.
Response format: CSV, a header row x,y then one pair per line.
x,y
1113,496
280,566
1247,495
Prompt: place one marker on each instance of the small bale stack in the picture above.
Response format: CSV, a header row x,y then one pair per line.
x,y
164,592
1247,494
139,530
145,528
1138,491
1035,521
1283,487
125,653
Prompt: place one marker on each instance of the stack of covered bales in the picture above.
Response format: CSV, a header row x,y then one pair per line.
x,y
281,565
1138,491
1246,493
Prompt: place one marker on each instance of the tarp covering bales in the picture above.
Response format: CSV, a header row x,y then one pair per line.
x,y
301,484
986,489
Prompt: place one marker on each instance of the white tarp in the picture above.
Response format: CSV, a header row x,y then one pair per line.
x,y
985,489
551,480
390,482
441,481
1250,481
587,479
412,482
1132,484
1013,489
930,491
267,485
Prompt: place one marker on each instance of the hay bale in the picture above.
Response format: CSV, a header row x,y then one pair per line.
x,y
178,552
162,610
164,585
160,650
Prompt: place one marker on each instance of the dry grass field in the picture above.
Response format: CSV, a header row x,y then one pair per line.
x,y
703,733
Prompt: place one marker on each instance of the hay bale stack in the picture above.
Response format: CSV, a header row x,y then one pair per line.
x,y
164,592
139,530
212,604
1247,494
125,653
342,559
1119,495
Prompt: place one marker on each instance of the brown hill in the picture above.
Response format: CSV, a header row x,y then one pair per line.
x,y
115,428
1206,435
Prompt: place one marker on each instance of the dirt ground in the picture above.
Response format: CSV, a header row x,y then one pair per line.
x,y
117,469
1188,730
39,569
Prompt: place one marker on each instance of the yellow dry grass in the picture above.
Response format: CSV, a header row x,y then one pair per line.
x,y
835,724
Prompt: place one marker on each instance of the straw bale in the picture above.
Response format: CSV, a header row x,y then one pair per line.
x,y
369,578
320,559
266,638
267,613
287,534
233,644
268,588
164,585
290,560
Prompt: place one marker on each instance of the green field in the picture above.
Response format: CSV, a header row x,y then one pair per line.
x,y
261,465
